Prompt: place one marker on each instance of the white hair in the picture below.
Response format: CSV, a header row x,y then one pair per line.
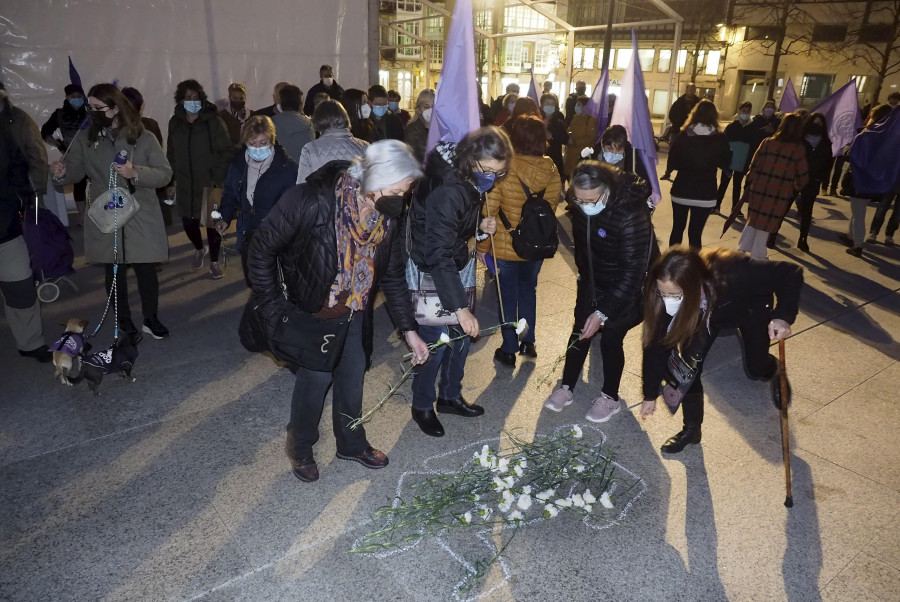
x,y
385,163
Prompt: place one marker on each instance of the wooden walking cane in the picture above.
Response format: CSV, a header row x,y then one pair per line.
x,y
785,433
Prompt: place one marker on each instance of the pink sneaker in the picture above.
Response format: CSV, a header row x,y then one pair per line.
x,y
559,399
604,408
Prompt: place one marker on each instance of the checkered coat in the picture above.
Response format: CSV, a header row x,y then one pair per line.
x,y
777,172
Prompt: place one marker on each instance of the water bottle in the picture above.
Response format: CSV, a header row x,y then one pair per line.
x,y
122,157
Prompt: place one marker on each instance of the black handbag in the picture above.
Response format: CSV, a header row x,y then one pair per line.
x,y
305,340
680,376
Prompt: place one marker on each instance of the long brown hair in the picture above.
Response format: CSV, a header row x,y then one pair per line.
x,y
705,113
790,129
129,121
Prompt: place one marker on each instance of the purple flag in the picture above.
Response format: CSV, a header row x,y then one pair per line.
x,y
73,75
533,91
873,157
841,111
598,104
633,112
455,111
789,101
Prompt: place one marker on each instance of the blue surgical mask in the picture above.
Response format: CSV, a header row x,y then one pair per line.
x,y
193,106
379,110
394,106
549,109
259,153
813,140
612,158
76,103
594,209
578,110
484,181
743,116
768,112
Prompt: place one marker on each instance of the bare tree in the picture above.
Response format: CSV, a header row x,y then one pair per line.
x,y
875,36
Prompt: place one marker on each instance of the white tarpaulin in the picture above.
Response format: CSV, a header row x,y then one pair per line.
x,y
154,44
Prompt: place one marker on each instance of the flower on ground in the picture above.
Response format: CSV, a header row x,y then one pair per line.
x,y
579,468
509,482
518,470
516,515
546,494
484,512
499,484
604,499
504,507
576,432
564,503
550,511
524,502
588,507
588,497
578,501
523,463
502,465
526,489
475,497
467,518
521,326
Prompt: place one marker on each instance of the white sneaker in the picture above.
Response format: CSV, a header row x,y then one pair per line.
x,y
198,258
604,408
559,399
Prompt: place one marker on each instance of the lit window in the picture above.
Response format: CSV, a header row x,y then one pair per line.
x,y
623,58
646,59
665,60
576,62
682,61
712,62
589,56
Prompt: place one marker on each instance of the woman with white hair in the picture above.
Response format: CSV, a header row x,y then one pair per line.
x,y
335,239
416,134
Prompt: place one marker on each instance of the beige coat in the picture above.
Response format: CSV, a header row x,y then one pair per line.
x,y
582,133
143,239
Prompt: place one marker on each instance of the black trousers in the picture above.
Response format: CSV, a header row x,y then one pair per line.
x,y
308,400
698,216
727,177
192,229
148,287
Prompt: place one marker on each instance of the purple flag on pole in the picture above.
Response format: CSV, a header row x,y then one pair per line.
x,y
633,112
455,111
873,157
789,101
598,104
841,111
533,90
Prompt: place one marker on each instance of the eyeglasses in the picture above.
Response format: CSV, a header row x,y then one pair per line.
x,y
672,296
103,108
496,174
602,198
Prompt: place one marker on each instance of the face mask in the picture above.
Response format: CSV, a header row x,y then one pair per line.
x,y
394,106
591,210
390,206
816,129
327,81
813,140
549,109
612,158
672,305
380,110
192,106
768,112
101,119
426,114
484,181
259,153
578,110
278,107
238,106
743,116
510,108
76,103
365,111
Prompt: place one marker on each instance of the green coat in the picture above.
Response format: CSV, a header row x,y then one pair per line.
x,y
143,239
199,154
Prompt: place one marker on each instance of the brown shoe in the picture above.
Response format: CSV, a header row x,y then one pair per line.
x,y
370,458
305,469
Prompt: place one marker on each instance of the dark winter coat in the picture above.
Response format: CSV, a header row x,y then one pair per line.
x,y
26,134
680,111
618,241
335,92
443,216
416,136
15,192
697,159
388,127
738,133
558,138
819,160
753,292
199,154
278,178
300,232
68,121
777,173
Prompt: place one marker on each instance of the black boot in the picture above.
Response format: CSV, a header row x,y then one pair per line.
x,y
676,443
458,406
428,422
801,244
770,241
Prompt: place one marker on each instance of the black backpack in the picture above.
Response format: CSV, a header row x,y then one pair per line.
x,y
535,236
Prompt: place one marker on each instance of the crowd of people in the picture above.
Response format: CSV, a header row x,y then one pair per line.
x,y
336,196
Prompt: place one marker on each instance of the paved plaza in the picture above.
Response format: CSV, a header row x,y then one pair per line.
x,y
176,486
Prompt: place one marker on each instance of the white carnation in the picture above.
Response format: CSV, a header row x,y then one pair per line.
x,y
605,501
546,495
524,502
518,470
516,515
550,511
576,432
443,340
578,501
467,518
564,503
588,497
588,507
521,326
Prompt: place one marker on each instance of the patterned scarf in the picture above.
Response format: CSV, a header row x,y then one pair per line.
x,y
356,244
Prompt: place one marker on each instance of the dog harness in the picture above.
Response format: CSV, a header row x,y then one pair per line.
x,y
71,343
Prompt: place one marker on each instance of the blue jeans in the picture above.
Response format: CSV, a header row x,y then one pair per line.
x,y
518,286
448,360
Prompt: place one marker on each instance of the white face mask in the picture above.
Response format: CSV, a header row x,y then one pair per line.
x,y
672,305
365,111
426,115
278,108
327,81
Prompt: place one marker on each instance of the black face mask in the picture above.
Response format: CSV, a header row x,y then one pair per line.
x,y
390,206
816,129
238,105
101,119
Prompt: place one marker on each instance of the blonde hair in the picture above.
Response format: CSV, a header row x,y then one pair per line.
x,y
258,124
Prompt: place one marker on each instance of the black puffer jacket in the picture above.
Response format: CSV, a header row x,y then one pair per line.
x,y
696,159
443,216
300,232
618,240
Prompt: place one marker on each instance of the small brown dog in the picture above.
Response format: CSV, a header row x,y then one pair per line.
x,y
71,345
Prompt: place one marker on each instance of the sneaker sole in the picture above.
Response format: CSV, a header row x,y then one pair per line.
x,y
367,465
605,418
553,408
216,277
153,334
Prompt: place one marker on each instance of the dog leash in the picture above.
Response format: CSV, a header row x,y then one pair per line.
x,y
113,180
